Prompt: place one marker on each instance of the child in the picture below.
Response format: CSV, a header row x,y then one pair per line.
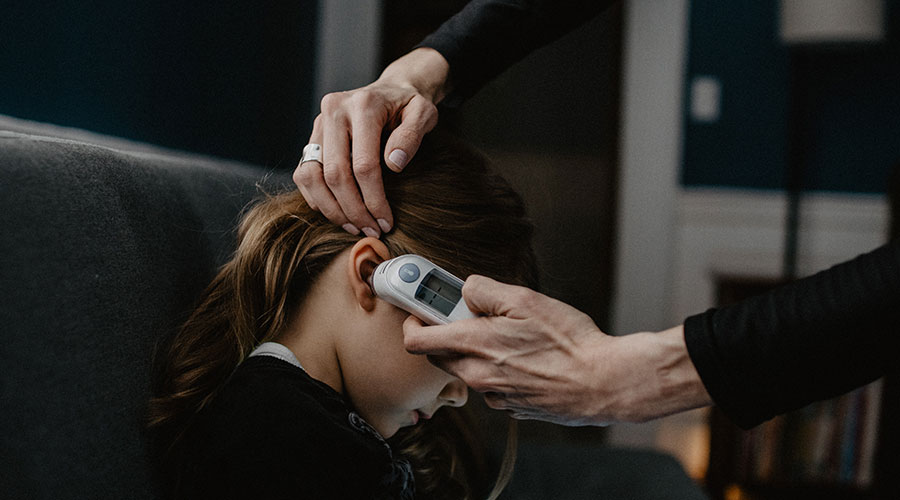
x,y
289,376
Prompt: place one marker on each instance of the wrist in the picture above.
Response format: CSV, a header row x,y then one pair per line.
x,y
679,387
424,69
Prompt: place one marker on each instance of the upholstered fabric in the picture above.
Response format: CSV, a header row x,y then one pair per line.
x,y
105,245
569,471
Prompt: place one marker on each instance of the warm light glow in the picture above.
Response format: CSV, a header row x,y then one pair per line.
x,y
686,437
733,492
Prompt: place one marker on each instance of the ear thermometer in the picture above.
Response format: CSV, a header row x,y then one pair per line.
x,y
421,288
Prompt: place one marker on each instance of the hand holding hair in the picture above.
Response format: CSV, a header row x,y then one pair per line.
x,y
541,359
346,185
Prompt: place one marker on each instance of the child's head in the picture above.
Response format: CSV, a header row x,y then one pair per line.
x,y
303,280
298,279
346,337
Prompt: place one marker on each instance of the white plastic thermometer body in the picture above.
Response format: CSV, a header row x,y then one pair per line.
x,y
421,288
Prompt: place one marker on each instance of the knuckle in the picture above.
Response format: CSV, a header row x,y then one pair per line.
x,y
524,297
376,206
492,403
305,176
357,214
333,214
332,102
407,135
474,281
366,169
334,176
363,98
427,111
478,386
411,343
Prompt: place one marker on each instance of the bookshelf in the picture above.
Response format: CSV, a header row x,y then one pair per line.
x,y
847,448
827,450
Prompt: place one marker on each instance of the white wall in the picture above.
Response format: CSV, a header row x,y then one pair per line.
x,y
654,51
653,71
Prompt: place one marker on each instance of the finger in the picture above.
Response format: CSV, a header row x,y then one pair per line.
x,y
367,169
500,401
337,170
478,373
495,400
339,179
492,298
418,118
524,415
309,179
453,339
301,177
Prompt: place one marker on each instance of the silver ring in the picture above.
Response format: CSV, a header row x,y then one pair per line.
x,y
311,152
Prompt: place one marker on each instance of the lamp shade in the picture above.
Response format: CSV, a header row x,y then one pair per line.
x,y
831,21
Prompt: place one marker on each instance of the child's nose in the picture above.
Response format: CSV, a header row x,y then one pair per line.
x,y
455,393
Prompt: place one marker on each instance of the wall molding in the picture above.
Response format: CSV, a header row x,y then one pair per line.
x,y
741,233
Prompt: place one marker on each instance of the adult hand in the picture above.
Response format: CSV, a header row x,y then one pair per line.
x,y
347,186
539,358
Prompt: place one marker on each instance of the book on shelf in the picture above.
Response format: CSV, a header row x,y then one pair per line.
x,y
830,442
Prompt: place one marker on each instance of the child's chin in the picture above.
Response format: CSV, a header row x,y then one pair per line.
x,y
387,434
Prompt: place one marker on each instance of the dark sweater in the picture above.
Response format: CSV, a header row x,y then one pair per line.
x,y
274,432
810,340
488,36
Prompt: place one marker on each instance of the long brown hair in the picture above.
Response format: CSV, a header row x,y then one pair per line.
x,y
448,207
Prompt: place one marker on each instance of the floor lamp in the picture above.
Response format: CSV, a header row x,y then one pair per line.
x,y
809,28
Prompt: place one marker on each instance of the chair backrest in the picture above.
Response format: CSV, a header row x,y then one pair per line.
x,y
104,247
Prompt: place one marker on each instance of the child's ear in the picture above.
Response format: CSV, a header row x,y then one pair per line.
x,y
365,256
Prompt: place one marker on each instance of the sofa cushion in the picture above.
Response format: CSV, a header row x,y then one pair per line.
x,y
105,246
571,471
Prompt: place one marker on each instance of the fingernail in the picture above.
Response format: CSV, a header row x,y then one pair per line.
x,y
371,232
398,157
383,224
350,228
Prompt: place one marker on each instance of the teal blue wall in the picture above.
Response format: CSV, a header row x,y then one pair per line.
x,y
852,97
230,78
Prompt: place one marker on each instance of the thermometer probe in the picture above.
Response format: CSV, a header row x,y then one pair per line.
x,y
421,288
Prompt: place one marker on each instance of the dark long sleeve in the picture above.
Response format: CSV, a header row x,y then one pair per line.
x,y
809,340
488,36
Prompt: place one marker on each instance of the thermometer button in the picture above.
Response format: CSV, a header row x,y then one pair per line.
x,y
409,272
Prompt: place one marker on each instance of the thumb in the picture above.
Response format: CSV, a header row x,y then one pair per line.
x,y
418,117
488,297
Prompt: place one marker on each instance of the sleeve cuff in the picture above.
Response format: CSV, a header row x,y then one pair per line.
x,y
701,345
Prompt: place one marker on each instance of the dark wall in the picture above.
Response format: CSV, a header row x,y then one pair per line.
x,y
851,103
550,125
233,79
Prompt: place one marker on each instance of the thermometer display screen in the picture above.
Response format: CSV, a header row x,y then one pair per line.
x,y
438,293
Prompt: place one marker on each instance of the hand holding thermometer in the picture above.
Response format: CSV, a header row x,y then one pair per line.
x,y
420,288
